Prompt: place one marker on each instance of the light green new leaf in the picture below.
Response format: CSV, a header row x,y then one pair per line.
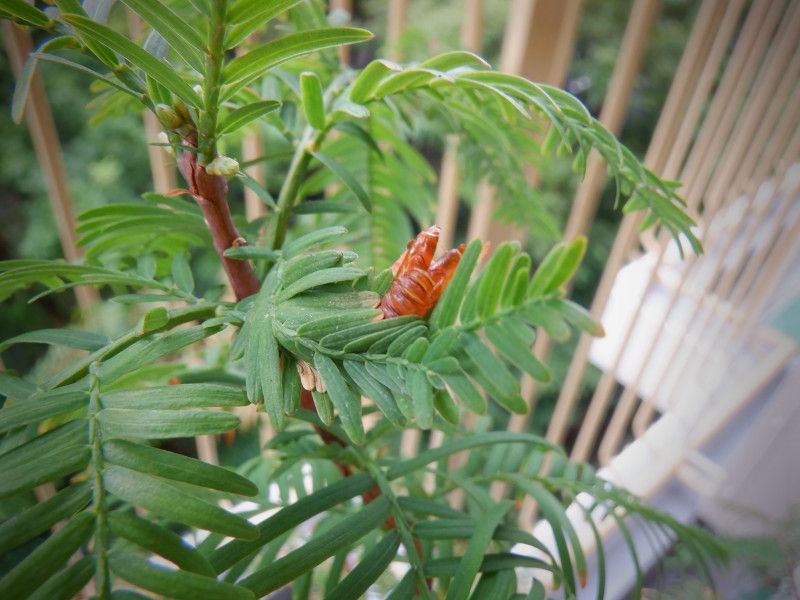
x,y
318,548
557,267
249,15
171,503
372,566
446,310
162,424
490,286
369,79
511,343
346,402
473,556
313,102
254,63
174,584
455,59
243,115
578,316
183,38
176,467
182,272
159,540
347,178
153,67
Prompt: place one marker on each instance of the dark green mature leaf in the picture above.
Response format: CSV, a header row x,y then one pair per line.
x,y
73,433
375,391
162,424
347,402
289,517
37,519
301,265
404,467
473,556
168,501
318,237
257,61
184,39
67,583
44,469
34,410
177,467
492,563
368,570
147,351
317,279
347,178
271,377
185,395
47,558
159,540
243,115
465,391
174,584
153,67
318,548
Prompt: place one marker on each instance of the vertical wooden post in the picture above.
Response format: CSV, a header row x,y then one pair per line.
x,y
398,13
48,151
162,165
538,44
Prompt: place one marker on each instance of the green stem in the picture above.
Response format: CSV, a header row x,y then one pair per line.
x,y
291,185
212,81
103,581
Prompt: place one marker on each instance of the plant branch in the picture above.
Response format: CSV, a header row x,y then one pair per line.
x,y
211,194
103,582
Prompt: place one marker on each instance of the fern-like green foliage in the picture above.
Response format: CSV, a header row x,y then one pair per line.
x,y
89,495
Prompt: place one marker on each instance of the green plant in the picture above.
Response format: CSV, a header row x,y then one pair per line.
x,y
309,342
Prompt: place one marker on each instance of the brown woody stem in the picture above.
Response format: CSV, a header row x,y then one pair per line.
x,y
211,194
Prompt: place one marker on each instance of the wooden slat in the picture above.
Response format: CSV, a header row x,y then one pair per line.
x,y
396,23
687,74
612,115
764,93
